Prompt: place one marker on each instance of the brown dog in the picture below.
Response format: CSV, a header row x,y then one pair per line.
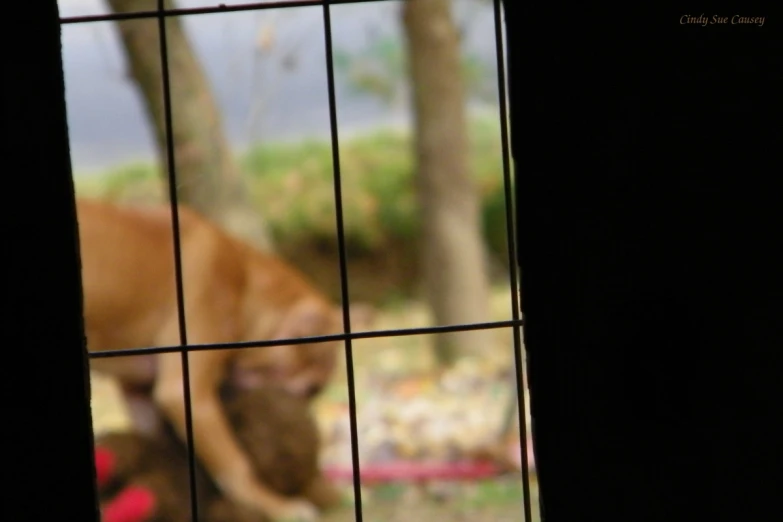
x,y
277,432
231,293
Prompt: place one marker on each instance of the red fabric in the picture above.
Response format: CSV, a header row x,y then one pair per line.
x,y
104,465
133,504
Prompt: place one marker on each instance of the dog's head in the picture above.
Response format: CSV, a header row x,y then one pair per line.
x,y
302,369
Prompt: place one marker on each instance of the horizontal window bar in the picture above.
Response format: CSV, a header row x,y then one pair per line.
x,y
220,8
427,330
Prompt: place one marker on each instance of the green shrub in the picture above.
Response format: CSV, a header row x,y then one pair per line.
x,y
124,176
292,185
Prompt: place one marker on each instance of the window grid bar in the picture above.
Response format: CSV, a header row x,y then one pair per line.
x,y
183,335
374,334
221,8
512,259
348,336
338,203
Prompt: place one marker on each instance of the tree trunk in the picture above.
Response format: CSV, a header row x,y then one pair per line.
x,y
208,178
455,276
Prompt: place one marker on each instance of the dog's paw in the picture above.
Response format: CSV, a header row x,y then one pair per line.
x,y
297,511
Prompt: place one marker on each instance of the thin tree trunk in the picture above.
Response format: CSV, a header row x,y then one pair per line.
x,y
208,178
455,276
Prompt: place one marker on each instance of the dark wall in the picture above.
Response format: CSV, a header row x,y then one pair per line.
x,y
47,440
648,218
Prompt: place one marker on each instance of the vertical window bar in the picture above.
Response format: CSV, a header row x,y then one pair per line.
x,y
172,178
338,201
512,259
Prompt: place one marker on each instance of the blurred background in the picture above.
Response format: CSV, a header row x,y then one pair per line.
x,y
423,198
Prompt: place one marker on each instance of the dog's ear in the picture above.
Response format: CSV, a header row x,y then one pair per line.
x,y
305,319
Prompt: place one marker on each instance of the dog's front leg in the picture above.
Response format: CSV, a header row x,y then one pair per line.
x,y
215,444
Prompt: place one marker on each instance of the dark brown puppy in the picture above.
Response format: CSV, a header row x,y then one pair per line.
x,y
275,428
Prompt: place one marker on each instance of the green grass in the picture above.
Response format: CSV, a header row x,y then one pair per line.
x,y
292,186
495,500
